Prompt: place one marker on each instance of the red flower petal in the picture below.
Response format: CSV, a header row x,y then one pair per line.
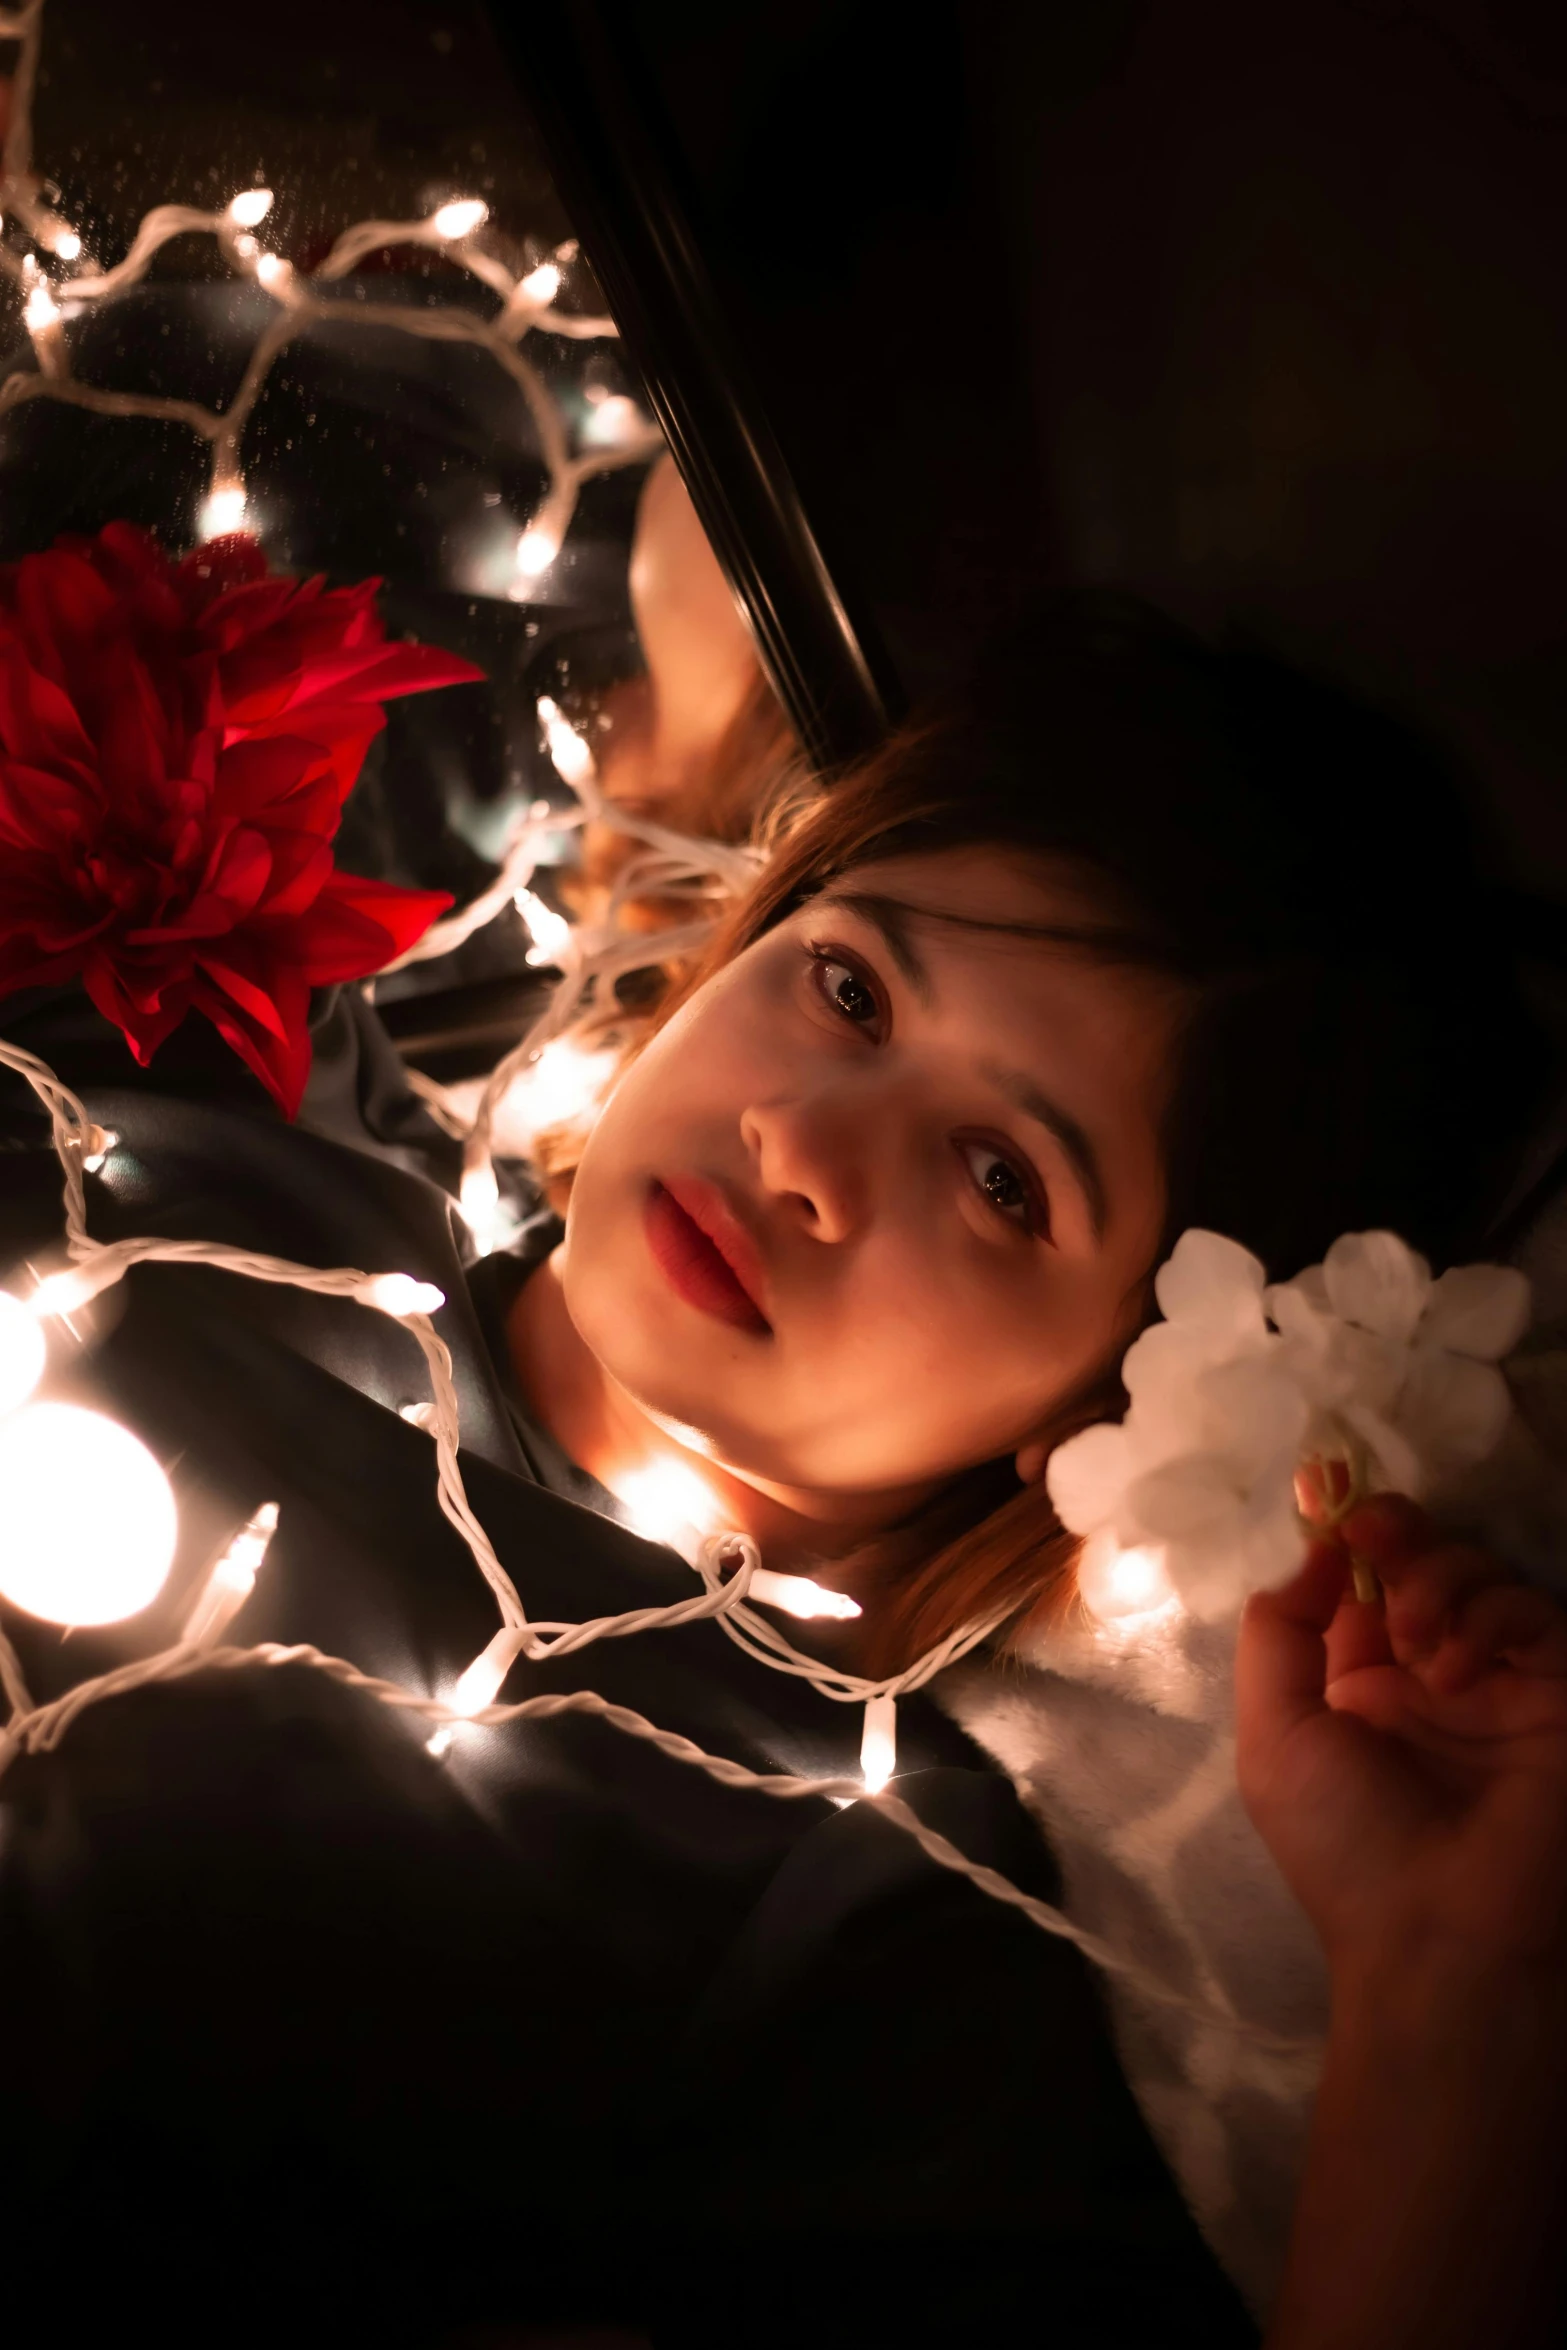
x,y
259,776
37,719
216,568
232,891
357,926
338,738
301,869
277,1052
176,742
144,1024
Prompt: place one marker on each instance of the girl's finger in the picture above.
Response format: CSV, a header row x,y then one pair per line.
x,y
1426,1594
1509,1623
1281,1663
1358,1635
1387,1528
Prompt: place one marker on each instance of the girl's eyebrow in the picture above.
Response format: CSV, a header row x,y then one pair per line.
x,y
1020,1089
891,919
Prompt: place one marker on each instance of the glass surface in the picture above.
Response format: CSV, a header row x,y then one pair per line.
x,y
398,366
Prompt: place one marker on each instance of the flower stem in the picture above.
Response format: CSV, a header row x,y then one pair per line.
x,y
1357,1486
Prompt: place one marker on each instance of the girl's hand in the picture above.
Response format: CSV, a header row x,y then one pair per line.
x,y
1407,1762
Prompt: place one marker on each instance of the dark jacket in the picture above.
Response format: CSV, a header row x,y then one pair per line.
x,y
309,2033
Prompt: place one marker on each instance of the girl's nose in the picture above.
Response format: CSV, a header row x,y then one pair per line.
x,y
809,1159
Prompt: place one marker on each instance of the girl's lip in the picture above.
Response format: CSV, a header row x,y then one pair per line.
x,y
704,1252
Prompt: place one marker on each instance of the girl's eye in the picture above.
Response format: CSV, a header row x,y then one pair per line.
x,y
1007,1191
846,992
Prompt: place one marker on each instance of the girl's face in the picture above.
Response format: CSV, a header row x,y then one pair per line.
x,y
884,1191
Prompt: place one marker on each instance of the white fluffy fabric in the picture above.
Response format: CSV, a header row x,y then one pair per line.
x,y
1122,1743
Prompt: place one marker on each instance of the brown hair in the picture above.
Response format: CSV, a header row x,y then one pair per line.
x,y
1353,1053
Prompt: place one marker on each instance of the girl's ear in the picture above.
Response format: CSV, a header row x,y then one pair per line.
x,y
1030,1463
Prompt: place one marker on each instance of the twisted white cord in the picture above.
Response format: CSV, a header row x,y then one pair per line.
x,y
676,863
41,1730
55,302
38,1729
762,1639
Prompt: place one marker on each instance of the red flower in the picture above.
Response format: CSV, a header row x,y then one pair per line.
x,y
176,744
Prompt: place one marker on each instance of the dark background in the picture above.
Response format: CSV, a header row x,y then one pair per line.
x,y
1259,311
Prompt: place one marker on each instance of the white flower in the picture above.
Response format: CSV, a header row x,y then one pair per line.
x,y
1405,1364
1202,1468
1364,1359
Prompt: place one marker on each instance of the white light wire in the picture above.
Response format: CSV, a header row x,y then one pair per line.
x,y
67,297
588,962
591,959
37,1729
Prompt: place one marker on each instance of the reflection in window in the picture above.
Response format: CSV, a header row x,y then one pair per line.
x,y
308,280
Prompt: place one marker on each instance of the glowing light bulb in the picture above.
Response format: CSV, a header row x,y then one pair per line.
x,y
879,1743
273,271
100,1142
22,1352
479,1197
797,1595
87,1517
400,1293
480,1685
246,246
461,217
1121,1585
250,207
222,510
40,311
536,551
542,284
612,420
418,1415
569,754
668,1503
68,245
61,1294
550,932
565,1082
233,1578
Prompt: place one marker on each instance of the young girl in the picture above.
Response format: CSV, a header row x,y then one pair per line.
x,y
1150,938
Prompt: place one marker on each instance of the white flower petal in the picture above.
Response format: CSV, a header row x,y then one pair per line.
x,y
1214,1578
1209,1578
1394,1463
1164,1358
1377,1280
1301,1312
1189,1500
1211,1283
1256,1410
1274,1549
1480,1310
1087,1477
1310,1288
1347,1366
1162,1373
1452,1411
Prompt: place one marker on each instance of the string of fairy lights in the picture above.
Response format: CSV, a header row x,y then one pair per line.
x,y
60,285
124,1519
123,1541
